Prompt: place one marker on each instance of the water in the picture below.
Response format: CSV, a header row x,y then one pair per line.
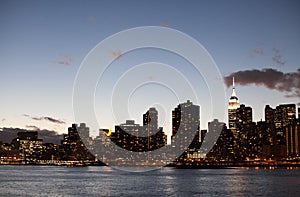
x,y
105,181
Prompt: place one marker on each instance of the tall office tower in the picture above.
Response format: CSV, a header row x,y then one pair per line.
x,y
293,139
223,149
72,146
243,115
284,114
269,114
186,120
244,127
185,116
84,133
150,121
232,106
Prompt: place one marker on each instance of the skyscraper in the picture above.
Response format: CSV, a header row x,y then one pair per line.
x,y
293,139
232,107
186,120
185,115
244,115
150,121
137,138
269,114
284,114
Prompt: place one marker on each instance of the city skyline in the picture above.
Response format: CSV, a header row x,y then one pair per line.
x,y
44,43
275,138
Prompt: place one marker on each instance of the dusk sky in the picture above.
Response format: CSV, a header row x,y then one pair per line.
x,y
42,44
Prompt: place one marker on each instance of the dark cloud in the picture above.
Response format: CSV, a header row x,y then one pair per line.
x,y
270,78
32,127
47,118
57,121
36,118
48,136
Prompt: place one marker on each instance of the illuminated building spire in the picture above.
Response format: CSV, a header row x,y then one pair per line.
x,y
232,106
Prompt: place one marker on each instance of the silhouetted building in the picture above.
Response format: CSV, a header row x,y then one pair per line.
x,y
284,114
186,118
150,121
84,133
72,147
243,115
274,141
137,138
202,135
29,146
245,129
269,114
223,149
254,141
293,139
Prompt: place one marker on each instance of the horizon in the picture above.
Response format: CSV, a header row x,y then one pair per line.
x,y
27,129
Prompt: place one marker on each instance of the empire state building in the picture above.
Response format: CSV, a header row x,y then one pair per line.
x,y
232,106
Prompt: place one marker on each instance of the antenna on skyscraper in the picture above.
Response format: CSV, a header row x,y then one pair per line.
x,y
233,88
233,82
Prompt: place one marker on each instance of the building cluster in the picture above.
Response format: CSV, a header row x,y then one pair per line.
x,y
243,140
275,138
27,148
140,138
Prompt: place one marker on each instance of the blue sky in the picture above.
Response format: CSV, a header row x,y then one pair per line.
x,y
38,36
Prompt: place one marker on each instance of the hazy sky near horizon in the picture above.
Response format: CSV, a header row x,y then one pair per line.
x,y
42,44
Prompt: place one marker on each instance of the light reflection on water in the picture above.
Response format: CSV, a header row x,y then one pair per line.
x,y
105,181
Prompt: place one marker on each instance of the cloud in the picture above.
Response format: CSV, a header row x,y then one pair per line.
x,y
65,60
36,118
278,59
47,118
48,136
32,127
54,120
270,78
3,119
259,51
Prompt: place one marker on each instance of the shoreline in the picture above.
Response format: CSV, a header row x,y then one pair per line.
x,y
178,166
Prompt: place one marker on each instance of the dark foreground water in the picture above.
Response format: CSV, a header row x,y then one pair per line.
x,y
104,181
